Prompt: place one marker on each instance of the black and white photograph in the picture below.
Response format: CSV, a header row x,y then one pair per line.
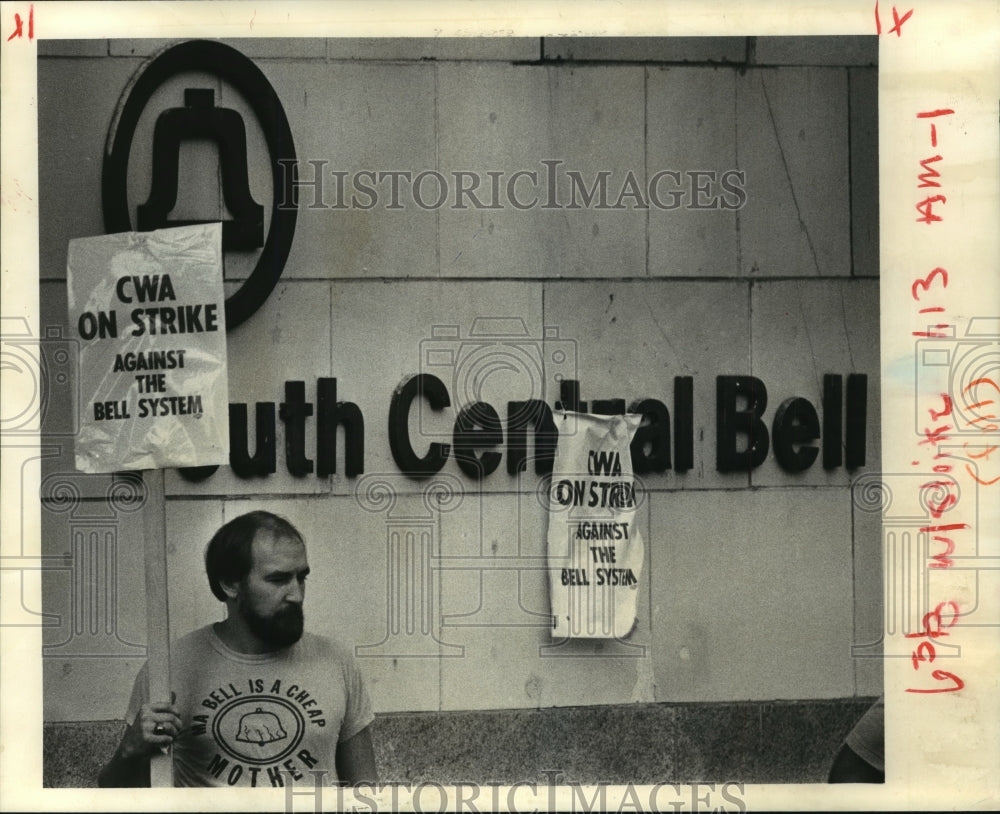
x,y
500,417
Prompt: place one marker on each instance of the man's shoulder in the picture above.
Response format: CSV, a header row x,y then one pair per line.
x,y
314,645
203,642
194,643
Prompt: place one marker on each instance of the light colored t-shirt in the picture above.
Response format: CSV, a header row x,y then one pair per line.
x,y
250,720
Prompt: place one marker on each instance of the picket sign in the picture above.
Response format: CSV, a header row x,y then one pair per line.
x,y
595,548
147,310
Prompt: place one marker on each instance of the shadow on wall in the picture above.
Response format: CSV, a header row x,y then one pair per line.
x,y
792,742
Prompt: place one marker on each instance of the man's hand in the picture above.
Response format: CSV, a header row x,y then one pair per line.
x,y
155,726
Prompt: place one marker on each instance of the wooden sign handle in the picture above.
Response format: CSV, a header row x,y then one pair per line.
x,y
161,769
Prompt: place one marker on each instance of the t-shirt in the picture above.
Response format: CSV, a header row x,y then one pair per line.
x,y
867,739
249,720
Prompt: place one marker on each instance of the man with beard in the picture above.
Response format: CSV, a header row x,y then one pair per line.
x,y
257,702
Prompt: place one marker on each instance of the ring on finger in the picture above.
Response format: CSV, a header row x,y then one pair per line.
x,y
159,729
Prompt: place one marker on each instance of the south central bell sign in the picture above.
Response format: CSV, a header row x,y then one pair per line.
x,y
745,431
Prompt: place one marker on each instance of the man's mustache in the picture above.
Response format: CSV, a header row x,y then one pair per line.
x,y
289,613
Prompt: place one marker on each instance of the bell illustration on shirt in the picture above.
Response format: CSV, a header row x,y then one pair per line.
x,y
260,727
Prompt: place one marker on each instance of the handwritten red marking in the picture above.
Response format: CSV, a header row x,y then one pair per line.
x,y
982,418
978,479
933,334
935,415
928,177
929,174
940,497
936,435
943,675
926,209
942,467
947,502
977,382
939,509
19,25
928,281
923,652
933,622
943,559
985,454
933,114
898,21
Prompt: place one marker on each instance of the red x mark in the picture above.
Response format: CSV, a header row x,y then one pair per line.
x,y
896,19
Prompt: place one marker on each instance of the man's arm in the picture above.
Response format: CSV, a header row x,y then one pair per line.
x,y
356,759
129,765
124,770
861,756
850,767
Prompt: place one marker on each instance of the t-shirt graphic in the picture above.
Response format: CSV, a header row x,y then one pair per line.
x,y
260,727
258,720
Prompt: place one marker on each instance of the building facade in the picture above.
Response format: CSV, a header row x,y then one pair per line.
x,y
681,227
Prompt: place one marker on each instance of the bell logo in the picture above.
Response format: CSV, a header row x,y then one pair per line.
x,y
260,727
200,118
